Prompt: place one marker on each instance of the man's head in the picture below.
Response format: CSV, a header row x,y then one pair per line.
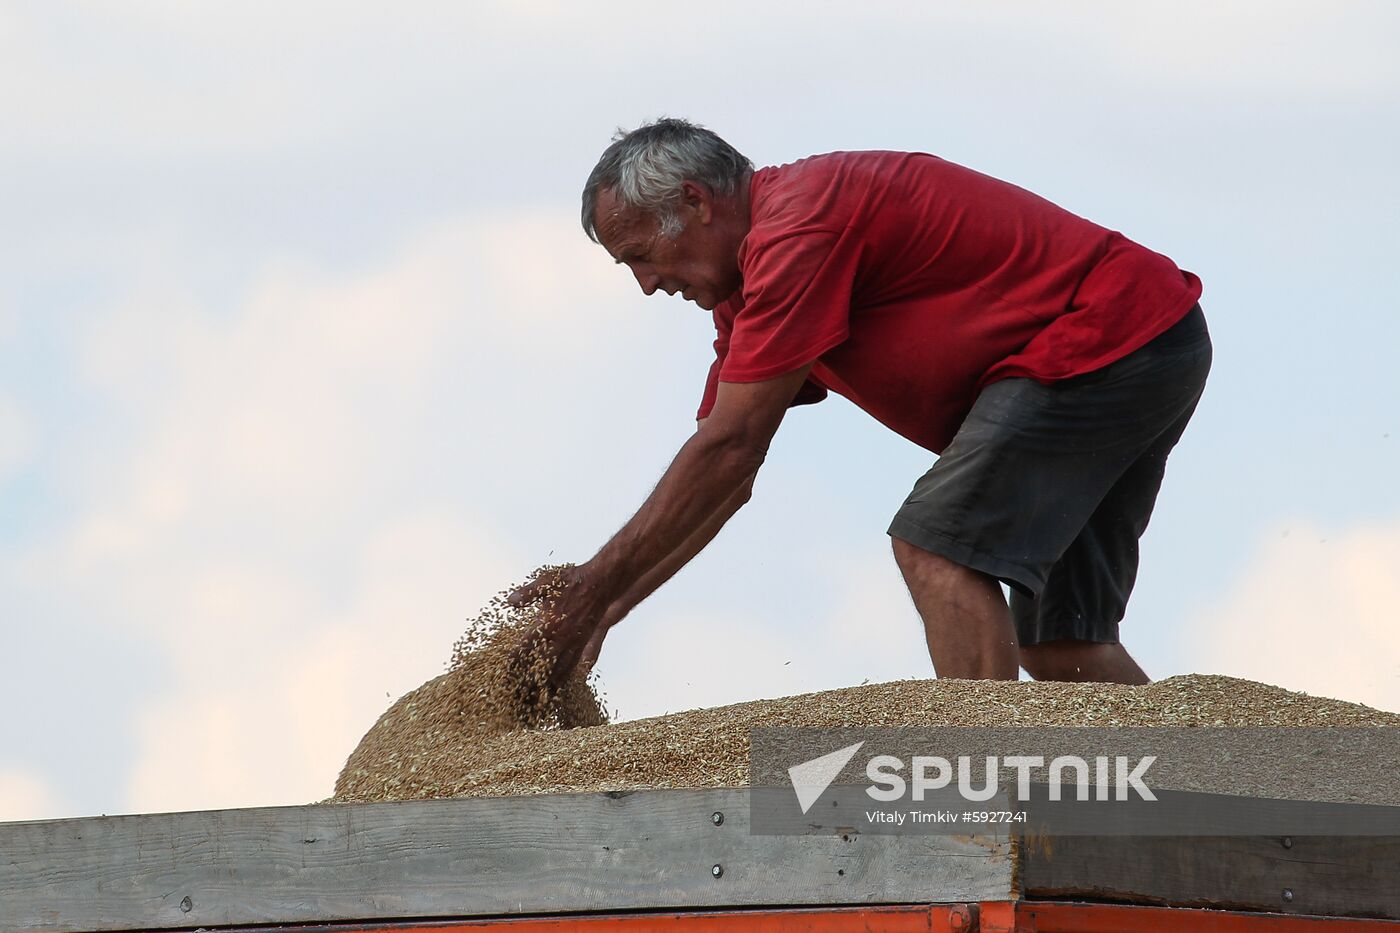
x,y
670,201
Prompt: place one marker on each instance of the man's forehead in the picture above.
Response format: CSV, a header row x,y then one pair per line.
x,y
614,221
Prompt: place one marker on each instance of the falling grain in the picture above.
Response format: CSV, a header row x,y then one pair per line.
x,y
495,685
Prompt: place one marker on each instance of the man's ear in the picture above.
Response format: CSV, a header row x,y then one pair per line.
x,y
698,198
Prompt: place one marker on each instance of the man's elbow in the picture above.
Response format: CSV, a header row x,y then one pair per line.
x,y
737,455
738,443
745,459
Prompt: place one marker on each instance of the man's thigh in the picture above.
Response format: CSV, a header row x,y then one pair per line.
x,y
1032,463
1086,593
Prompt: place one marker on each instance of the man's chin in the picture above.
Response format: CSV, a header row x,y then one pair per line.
x,y
709,302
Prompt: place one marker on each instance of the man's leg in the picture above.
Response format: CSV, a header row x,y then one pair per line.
x,y
1048,488
1082,661
1070,632
966,619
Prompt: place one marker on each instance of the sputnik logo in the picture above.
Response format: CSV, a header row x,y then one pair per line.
x,y
811,778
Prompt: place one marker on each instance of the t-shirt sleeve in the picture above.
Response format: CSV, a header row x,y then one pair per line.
x,y
810,393
797,304
707,401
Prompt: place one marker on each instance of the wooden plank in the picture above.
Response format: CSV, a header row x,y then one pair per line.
x,y
1340,876
651,850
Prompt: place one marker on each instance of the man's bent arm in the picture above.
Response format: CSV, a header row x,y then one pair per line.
x,y
663,571
693,500
718,461
681,556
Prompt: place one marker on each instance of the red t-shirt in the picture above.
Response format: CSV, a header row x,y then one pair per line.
x,y
913,282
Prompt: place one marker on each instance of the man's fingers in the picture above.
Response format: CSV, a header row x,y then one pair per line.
x,y
524,595
565,633
558,644
592,649
564,663
542,585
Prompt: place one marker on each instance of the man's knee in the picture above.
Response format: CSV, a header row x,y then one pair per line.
x,y
904,552
913,559
934,576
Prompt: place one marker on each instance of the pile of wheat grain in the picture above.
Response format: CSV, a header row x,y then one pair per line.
x,y
417,751
494,686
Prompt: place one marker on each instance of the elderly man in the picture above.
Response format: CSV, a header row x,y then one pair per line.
x,y
1052,364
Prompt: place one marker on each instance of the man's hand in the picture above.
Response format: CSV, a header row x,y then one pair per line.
x,y
594,647
573,617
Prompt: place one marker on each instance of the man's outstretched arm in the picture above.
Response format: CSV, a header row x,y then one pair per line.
x,y
708,473
664,571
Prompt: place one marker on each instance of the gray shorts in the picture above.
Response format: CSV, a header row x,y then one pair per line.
x,y
1049,487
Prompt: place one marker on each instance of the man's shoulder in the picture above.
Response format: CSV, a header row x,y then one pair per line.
x,y
849,157
832,164
825,189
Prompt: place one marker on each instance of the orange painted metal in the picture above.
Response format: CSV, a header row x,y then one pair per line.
x,y
997,917
1034,917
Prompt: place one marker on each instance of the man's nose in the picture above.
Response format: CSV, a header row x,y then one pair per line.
x,y
649,281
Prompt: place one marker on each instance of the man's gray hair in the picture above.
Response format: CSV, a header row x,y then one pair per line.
x,y
644,168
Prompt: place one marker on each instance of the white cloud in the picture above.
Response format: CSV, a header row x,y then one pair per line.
x,y
9,320
295,407
470,282
1315,610
273,687
256,78
16,437
253,77
1250,45
259,518
24,796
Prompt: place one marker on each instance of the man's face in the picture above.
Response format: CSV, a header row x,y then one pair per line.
x,y
701,263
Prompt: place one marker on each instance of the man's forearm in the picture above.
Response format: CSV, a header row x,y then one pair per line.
x,y
678,558
706,474
677,520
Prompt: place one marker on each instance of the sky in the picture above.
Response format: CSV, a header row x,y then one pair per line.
x,y
304,355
